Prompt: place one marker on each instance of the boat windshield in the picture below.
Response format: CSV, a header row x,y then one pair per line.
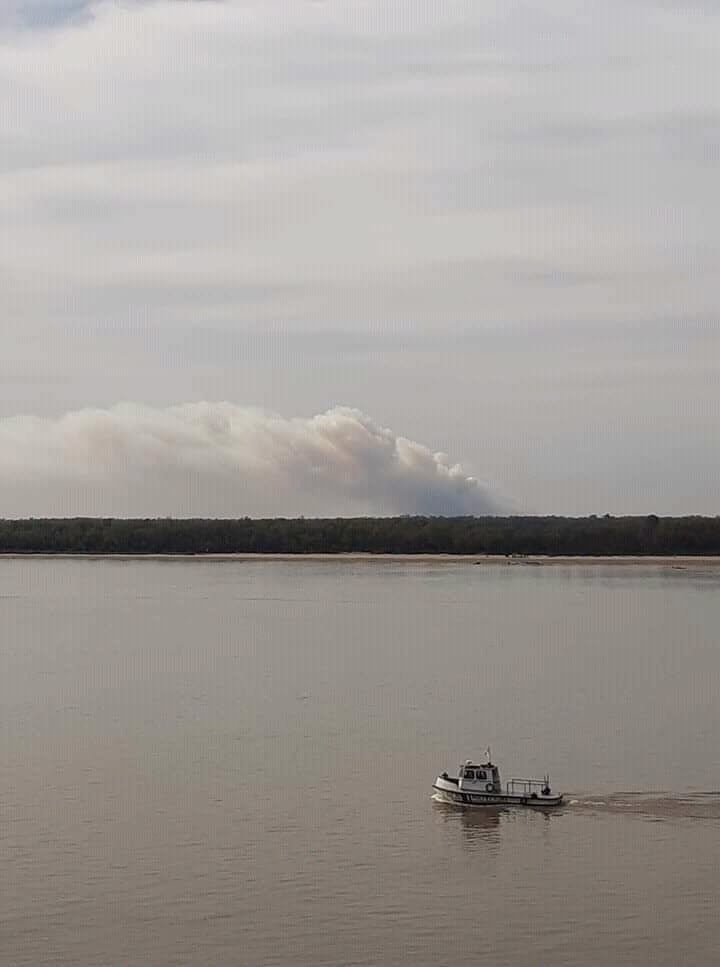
x,y
479,775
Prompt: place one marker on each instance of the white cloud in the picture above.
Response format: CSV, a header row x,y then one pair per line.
x,y
213,170
294,142
217,459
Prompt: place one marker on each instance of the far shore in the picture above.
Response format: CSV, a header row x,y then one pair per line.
x,y
517,560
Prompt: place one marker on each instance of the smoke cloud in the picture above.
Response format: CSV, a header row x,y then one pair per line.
x,y
222,460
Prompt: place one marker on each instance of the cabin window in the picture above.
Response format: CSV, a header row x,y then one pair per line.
x,y
469,774
482,774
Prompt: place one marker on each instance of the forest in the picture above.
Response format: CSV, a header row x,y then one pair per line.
x,y
601,535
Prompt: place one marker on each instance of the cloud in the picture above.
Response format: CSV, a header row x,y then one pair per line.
x,y
287,143
41,13
197,197
218,459
49,14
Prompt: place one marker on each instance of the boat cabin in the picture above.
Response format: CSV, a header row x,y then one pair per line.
x,y
479,778
479,785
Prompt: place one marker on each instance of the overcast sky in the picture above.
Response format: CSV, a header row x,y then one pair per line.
x,y
491,229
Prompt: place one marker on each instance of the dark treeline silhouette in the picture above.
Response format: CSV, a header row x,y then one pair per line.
x,y
395,535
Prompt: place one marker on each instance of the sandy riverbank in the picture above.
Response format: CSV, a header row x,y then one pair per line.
x,y
531,560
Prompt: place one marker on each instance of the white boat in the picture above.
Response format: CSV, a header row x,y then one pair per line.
x,y
480,785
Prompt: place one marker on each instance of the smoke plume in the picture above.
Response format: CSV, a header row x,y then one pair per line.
x,y
221,460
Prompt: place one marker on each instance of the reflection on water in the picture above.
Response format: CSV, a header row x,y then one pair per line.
x,y
481,826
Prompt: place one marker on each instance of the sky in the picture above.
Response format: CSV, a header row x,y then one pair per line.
x,y
351,256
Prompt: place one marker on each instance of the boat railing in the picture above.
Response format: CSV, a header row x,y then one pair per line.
x,y
525,787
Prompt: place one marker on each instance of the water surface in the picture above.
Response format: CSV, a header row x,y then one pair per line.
x,y
230,762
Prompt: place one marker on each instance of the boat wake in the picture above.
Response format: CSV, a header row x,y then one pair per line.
x,y
651,805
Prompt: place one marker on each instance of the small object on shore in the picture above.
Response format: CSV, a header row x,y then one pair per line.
x,y
480,785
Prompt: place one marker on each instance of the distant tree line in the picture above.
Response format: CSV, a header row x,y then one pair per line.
x,y
395,535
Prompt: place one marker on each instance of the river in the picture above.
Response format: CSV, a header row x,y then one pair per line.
x,y
230,762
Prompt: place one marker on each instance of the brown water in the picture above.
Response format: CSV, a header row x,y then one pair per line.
x,y
221,763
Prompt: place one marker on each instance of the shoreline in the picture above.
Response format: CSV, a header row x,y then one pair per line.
x,y
679,561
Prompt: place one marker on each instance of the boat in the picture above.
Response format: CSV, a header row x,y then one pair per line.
x,y
480,785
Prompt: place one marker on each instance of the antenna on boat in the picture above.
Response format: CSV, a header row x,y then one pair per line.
x,y
487,754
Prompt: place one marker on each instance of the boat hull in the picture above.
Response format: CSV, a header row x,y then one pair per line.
x,y
445,791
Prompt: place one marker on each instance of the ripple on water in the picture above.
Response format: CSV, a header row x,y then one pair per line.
x,y
655,805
